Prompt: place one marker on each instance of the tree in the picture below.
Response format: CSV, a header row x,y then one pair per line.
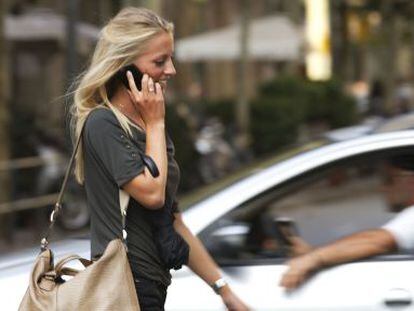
x,y
4,119
243,107
340,44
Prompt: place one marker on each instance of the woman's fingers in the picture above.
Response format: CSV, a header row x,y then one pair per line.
x,y
158,89
131,96
144,85
151,87
150,91
148,87
131,82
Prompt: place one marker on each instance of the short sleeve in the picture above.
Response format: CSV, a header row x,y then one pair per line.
x,y
108,143
402,229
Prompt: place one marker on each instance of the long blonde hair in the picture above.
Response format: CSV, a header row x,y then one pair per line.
x,y
120,42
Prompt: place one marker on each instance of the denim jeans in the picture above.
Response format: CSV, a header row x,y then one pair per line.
x,y
151,294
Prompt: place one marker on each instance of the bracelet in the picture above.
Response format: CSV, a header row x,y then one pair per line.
x,y
150,164
219,284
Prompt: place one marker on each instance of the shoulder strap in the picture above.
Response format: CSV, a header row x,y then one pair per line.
x,y
58,205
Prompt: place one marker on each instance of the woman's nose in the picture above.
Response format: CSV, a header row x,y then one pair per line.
x,y
170,70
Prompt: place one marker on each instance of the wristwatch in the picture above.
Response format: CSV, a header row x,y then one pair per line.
x,y
217,285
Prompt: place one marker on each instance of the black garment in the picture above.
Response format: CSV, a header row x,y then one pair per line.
x,y
111,159
151,294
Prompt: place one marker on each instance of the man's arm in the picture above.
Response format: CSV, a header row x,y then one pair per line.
x,y
201,263
357,246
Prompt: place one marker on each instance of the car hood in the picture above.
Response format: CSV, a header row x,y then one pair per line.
x,y
26,257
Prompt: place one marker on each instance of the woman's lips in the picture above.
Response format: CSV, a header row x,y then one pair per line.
x,y
163,84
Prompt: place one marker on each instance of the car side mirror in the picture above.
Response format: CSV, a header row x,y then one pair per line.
x,y
228,241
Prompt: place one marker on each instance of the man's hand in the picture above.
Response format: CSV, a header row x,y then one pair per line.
x,y
299,246
299,270
232,302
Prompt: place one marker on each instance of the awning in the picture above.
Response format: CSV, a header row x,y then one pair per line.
x,y
274,38
44,24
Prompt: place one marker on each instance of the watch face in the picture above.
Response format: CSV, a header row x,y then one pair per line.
x,y
217,285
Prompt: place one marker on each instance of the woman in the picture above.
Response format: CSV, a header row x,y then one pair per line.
x,y
122,127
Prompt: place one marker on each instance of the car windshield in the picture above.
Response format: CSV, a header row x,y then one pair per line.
x,y
196,196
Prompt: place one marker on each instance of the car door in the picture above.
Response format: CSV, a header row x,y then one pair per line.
x,y
325,204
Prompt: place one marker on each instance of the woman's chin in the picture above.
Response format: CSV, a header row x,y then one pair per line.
x,y
163,85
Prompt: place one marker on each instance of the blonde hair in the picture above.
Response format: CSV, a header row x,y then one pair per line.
x,y
120,42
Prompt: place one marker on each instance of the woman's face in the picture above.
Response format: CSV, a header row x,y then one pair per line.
x,y
156,60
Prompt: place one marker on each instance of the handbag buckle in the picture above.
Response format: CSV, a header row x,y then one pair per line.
x,y
57,208
44,244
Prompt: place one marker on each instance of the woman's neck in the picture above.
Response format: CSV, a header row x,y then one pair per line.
x,y
123,103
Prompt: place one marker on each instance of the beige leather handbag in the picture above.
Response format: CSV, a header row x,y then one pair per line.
x,y
105,284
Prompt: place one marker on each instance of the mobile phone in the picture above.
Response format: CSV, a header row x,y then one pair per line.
x,y
122,75
287,226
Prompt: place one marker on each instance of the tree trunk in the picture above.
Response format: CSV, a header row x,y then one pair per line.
x,y
242,107
339,40
411,23
4,121
390,52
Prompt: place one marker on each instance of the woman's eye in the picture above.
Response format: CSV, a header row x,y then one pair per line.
x,y
159,62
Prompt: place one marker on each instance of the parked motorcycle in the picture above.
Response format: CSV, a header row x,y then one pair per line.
x,y
74,213
218,157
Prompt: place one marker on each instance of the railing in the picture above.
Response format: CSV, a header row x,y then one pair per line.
x,y
32,202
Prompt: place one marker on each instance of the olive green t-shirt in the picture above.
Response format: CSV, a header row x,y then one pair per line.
x,y
111,159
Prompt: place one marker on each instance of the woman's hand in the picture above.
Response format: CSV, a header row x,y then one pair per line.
x,y
149,101
232,302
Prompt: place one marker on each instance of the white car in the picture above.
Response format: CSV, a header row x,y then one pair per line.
x,y
325,192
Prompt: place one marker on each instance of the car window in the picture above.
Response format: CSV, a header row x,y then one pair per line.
x,y
310,210
189,200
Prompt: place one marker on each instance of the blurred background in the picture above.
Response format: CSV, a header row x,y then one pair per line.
x,y
254,79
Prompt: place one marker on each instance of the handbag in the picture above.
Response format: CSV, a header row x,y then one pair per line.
x,y
104,284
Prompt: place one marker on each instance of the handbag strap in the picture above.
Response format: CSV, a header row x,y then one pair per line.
x,y
59,266
58,205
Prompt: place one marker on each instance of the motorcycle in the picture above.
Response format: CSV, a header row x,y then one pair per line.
x,y
74,212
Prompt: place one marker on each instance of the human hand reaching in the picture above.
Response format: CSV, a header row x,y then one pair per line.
x,y
232,301
299,270
298,246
